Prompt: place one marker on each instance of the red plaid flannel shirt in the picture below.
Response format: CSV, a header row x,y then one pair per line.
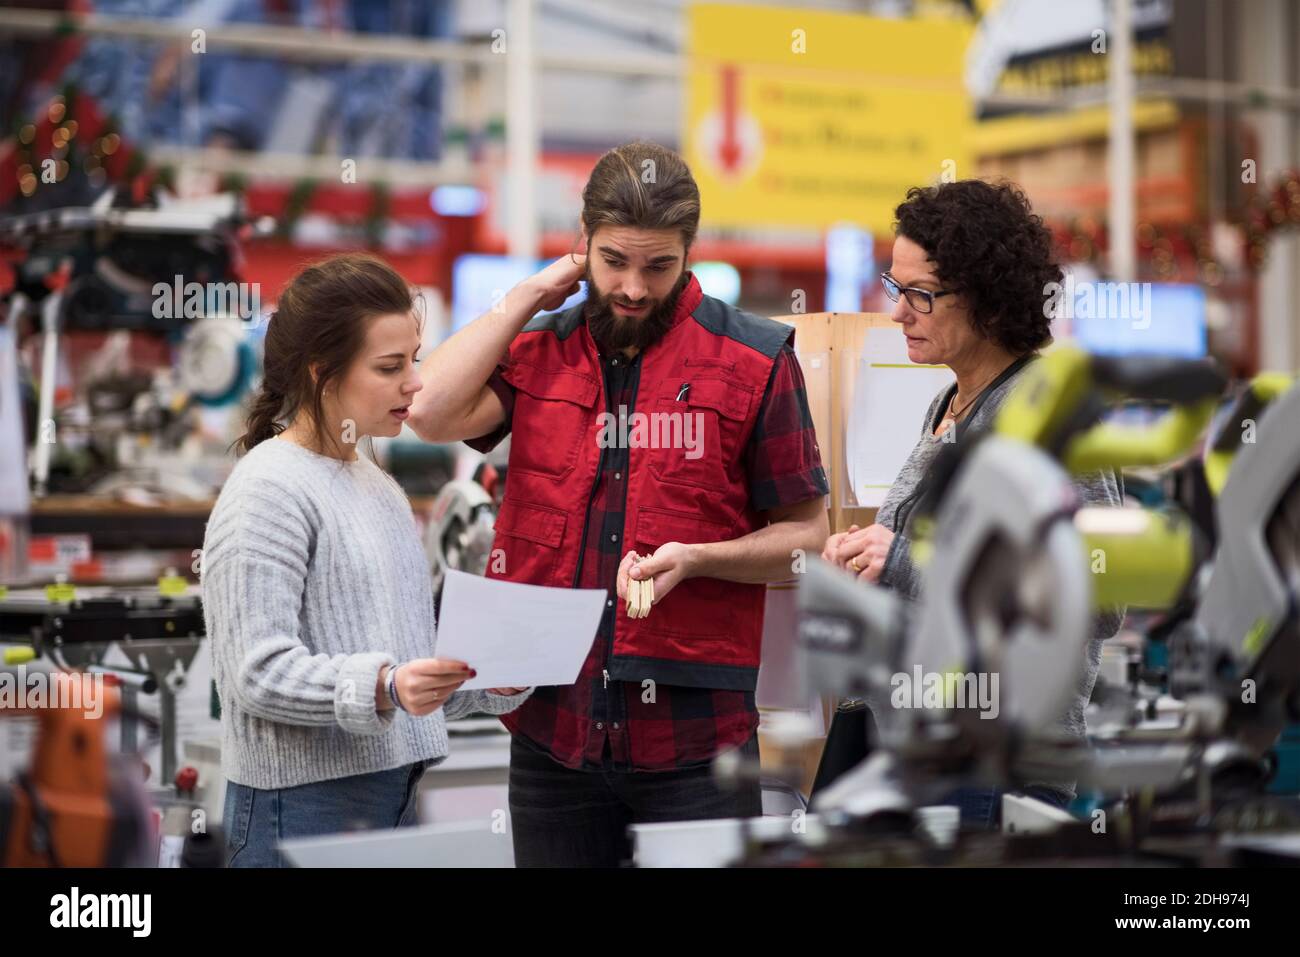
x,y
600,723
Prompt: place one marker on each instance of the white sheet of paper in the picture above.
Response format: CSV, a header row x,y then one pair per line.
x,y
517,636
890,397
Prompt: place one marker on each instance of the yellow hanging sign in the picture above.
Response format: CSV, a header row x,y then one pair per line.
x,y
804,118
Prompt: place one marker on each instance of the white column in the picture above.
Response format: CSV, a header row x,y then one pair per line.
x,y
523,139
1121,213
1267,38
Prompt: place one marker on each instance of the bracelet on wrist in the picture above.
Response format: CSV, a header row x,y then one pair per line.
x,y
391,684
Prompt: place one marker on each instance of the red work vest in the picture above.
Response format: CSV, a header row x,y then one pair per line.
x,y
713,365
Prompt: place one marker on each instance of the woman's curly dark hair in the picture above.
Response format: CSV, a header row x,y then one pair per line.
x,y
988,245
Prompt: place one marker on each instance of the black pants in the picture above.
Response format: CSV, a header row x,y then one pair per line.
x,y
565,818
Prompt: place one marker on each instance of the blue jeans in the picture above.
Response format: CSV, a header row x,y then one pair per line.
x,y
257,819
565,818
981,808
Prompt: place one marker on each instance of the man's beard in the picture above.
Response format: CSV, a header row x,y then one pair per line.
x,y
614,333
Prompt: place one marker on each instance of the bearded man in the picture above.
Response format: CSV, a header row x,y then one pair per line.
x,y
716,489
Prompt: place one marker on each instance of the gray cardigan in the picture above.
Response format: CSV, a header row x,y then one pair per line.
x,y
899,574
314,578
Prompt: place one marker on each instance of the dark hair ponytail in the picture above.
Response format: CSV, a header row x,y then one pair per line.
x,y
320,321
263,421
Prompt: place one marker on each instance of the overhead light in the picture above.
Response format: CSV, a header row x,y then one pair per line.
x,y
457,200
719,280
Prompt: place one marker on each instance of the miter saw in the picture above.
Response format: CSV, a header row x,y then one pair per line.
x,y
1242,644
460,528
120,269
80,804
1011,584
1007,600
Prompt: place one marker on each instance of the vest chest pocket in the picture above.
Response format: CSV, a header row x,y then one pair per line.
x,y
555,413
696,440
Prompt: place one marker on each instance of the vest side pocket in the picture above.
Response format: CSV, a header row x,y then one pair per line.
x,y
554,415
656,526
527,543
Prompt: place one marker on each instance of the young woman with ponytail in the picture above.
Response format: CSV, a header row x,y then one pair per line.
x,y
316,589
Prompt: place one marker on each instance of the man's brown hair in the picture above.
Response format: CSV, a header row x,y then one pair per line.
x,y
643,185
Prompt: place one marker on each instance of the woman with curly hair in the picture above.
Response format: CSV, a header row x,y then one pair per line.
x,y
972,269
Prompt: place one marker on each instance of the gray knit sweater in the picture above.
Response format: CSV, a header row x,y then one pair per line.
x,y
1098,488
314,578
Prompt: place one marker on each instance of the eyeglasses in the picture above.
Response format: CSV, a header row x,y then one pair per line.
x,y
922,300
